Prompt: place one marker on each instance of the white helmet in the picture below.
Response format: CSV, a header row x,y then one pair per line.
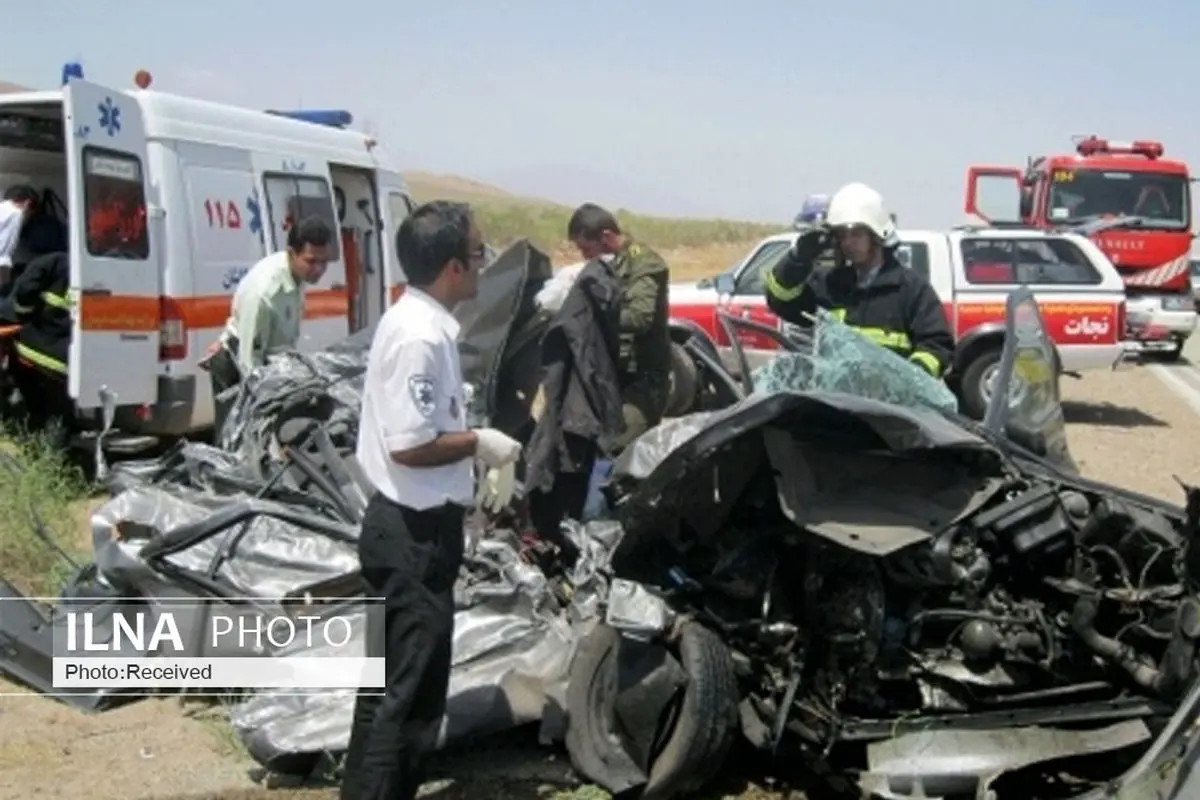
x,y
859,204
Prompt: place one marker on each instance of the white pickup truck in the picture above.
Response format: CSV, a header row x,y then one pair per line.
x,y
1079,291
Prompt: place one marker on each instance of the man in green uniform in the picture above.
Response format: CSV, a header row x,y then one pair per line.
x,y
644,363
267,310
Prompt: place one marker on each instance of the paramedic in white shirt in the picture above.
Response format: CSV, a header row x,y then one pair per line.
x,y
16,207
415,449
267,309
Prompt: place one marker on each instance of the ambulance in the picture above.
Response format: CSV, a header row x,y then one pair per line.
x,y
168,201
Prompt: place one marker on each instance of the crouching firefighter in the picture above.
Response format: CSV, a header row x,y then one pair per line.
x,y
867,288
39,303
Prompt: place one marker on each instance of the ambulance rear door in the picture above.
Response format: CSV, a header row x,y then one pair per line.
x,y
396,202
116,250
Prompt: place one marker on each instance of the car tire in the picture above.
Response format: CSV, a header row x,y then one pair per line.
x,y
1170,356
705,719
972,392
684,382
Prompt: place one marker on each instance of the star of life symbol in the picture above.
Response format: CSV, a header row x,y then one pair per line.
x,y
421,387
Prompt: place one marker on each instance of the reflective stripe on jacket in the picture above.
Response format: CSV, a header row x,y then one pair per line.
x,y
41,303
898,309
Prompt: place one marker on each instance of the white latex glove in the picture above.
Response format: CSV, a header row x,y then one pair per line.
x,y
495,448
496,488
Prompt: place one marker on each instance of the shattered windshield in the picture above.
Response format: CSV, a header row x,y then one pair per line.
x,y
1159,200
841,360
1025,406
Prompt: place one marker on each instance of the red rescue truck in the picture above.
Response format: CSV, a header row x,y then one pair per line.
x,y
1131,201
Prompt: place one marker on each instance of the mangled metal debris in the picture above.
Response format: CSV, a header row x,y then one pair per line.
x,y
925,606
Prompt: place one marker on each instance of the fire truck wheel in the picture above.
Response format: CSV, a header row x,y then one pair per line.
x,y
973,385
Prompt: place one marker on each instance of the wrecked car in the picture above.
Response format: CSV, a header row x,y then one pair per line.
x,y
911,603
270,519
823,559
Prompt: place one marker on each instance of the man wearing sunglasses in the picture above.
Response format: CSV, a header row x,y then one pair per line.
x,y
867,288
416,451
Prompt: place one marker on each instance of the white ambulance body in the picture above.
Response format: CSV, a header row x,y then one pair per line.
x,y
195,193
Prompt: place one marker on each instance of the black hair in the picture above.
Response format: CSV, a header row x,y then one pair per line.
x,y
22,193
312,231
589,221
430,237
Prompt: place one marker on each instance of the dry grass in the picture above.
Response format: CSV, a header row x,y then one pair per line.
x,y
693,247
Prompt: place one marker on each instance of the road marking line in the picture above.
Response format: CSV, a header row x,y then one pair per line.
x,y
1178,385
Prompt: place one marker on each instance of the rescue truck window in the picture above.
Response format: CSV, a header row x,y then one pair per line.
x,y
915,256
114,197
294,197
1082,194
752,278
1009,262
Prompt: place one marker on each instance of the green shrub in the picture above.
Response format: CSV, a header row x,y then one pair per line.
x,y
37,490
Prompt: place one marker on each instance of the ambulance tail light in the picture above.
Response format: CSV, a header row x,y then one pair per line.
x,y
1121,323
172,330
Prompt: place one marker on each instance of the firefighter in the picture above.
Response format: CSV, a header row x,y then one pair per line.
x,y
868,288
644,361
39,303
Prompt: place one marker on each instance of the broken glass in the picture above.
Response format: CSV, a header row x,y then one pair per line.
x,y
843,360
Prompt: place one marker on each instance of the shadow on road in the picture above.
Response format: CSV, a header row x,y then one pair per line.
x,y
1084,412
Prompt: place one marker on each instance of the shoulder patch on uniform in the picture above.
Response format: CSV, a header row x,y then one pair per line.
x,y
635,250
424,395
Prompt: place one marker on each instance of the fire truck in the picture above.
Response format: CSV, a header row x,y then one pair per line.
x,y
1135,204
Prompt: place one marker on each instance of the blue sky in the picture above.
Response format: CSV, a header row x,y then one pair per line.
x,y
702,107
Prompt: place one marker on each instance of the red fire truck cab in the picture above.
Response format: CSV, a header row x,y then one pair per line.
x,y
1133,203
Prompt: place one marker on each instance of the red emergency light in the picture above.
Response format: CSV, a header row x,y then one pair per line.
x,y
1094,146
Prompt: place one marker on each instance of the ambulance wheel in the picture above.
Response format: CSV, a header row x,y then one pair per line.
x,y
974,391
684,381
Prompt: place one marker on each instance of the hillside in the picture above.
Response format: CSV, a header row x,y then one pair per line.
x,y
693,247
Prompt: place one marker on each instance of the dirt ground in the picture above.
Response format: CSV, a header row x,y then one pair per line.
x,y
1125,427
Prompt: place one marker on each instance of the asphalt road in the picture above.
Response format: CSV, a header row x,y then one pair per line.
x,y
1182,377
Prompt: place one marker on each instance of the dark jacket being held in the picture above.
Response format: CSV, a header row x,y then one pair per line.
x,y
898,310
582,401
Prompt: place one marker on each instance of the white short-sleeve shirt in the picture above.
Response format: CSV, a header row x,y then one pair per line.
x,y
413,391
11,218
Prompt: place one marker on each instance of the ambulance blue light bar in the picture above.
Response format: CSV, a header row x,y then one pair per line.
x,y
330,118
71,69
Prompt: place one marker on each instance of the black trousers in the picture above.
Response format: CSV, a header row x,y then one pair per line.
x,y
410,558
224,373
48,407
